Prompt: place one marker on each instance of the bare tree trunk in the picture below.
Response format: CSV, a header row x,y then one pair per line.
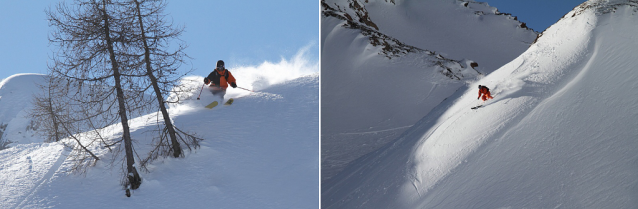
x,y
177,150
134,178
52,112
44,112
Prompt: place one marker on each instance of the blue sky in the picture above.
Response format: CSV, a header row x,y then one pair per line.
x,y
537,14
242,33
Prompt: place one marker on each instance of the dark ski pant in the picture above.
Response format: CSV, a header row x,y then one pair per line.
x,y
218,92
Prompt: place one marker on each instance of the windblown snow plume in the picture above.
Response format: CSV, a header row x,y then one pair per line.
x,y
268,74
252,78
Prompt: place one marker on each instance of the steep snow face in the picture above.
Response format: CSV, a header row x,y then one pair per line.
x,y
364,100
386,64
559,133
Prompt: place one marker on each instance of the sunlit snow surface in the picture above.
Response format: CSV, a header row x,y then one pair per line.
x,y
260,152
560,133
369,99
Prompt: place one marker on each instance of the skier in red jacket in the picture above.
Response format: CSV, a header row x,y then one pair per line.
x,y
483,90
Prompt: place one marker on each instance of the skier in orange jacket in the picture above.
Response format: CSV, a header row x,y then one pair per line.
x,y
219,80
483,90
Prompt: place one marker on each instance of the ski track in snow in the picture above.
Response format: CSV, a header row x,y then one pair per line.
x,y
376,132
31,176
42,182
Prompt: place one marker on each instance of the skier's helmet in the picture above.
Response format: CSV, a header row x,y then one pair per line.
x,y
480,86
220,64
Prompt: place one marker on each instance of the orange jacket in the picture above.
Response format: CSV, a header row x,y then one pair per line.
x,y
483,91
220,78
486,91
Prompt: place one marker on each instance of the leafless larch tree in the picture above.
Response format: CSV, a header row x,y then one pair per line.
x,y
114,59
89,36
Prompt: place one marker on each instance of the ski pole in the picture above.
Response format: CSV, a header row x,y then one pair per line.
x,y
245,89
200,92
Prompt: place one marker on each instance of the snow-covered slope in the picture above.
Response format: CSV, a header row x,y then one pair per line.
x,y
259,152
560,133
16,95
386,64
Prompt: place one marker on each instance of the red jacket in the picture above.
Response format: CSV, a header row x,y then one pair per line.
x,y
485,92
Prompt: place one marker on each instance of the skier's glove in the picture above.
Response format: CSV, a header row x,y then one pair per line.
x,y
233,84
206,81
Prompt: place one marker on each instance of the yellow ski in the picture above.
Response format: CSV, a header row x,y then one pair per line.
x,y
211,105
229,102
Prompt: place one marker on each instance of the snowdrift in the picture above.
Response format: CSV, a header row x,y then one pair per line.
x,y
385,65
561,131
